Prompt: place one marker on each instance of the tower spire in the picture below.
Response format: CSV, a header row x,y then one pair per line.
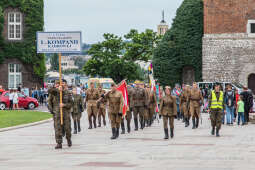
x,y
163,17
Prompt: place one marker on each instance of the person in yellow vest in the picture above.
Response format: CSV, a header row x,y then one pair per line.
x,y
216,105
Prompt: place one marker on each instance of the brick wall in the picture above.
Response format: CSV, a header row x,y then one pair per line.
x,y
227,16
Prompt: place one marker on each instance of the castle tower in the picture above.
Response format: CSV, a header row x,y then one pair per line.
x,y
163,26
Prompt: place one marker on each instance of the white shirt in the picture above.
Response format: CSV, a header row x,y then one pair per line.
x,y
11,96
78,90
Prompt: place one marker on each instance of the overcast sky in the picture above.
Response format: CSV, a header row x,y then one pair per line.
x,y
96,17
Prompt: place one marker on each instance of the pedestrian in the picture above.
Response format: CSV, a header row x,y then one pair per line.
x,y
92,95
78,108
78,89
54,107
11,95
116,101
168,109
196,101
248,103
229,100
237,99
240,110
216,106
15,100
138,104
101,109
177,93
184,103
206,93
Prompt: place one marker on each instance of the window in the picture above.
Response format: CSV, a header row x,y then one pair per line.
x,y
252,28
14,76
14,26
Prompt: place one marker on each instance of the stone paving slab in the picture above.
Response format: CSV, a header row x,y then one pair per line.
x,y
32,148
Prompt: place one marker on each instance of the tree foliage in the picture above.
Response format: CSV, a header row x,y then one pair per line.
x,y
182,45
54,62
24,50
115,57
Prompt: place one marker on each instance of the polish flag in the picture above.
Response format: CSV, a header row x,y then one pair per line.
x,y
123,89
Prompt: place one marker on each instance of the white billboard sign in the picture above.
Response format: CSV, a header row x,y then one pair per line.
x,y
58,42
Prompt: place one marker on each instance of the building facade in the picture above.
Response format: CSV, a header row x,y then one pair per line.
x,y
229,41
163,26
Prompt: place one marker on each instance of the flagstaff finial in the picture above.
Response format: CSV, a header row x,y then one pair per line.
x,y
163,17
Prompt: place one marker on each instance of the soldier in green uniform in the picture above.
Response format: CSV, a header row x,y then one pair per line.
x,y
152,102
92,95
168,109
54,107
138,104
184,103
115,99
128,116
101,109
78,108
216,106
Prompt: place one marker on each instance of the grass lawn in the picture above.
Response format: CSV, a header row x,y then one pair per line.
x,y
19,117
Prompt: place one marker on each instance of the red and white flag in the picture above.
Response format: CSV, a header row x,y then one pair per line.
x,y
123,89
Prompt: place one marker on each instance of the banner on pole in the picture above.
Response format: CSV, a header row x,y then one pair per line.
x,y
123,89
58,42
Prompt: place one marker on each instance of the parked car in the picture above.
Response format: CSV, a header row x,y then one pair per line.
x,y
24,101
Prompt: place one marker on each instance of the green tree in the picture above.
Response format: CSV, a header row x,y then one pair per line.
x,y
140,46
182,45
54,62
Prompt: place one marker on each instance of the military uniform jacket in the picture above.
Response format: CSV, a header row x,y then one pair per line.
x,y
139,97
116,101
168,106
78,106
91,97
195,98
152,100
103,101
184,97
129,90
54,101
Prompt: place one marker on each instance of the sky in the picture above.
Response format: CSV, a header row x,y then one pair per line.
x,y
96,17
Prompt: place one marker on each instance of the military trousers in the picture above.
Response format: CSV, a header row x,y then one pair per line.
x,y
216,118
115,120
185,110
195,111
59,128
139,110
170,120
101,114
149,113
92,112
76,116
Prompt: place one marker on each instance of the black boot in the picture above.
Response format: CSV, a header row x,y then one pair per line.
x,y
193,123
197,122
186,122
75,127
128,127
99,121
79,126
136,124
95,123
59,146
113,133
122,127
104,121
183,119
69,142
171,132
90,123
147,123
166,134
217,132
117,132
213,131
63,132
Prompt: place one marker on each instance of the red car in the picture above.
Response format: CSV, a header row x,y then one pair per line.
x,y
24,101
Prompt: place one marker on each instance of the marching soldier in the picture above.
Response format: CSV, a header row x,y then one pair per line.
x,y
54,107
168,109
196,100
184,103
101,109
116,101
216,105
128,112
152,101
138,104
92,95
78,108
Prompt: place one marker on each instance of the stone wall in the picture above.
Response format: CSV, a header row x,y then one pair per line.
x,y
228,57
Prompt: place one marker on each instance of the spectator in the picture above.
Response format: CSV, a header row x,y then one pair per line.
x,y
237,99
15,100
19,88
206,92
230,101
11,95
177,93
240,110
248,103
78,90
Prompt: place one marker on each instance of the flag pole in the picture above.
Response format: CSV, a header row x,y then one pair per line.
x,y
60,82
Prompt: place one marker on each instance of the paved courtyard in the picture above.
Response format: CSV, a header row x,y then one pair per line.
x,y
32,148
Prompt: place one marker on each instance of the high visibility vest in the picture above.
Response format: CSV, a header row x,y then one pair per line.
x,y
215,104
